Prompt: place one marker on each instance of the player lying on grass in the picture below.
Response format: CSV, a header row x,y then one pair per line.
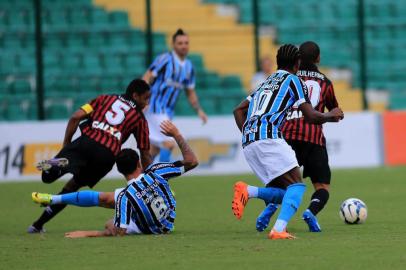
x,y
259,118
146,205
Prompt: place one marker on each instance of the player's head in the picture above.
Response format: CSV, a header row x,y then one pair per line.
x,y
127,161
266,64
138,90
288,58
180,43
309,53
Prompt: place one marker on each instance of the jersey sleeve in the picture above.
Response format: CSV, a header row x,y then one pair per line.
x,y
123,208
159,63
167,170
250,97
190,81
92,105
299,90
141,134
331,100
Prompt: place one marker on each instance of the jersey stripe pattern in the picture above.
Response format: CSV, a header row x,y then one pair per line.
x,y
269,104
148,200
113,120
171,76
321,95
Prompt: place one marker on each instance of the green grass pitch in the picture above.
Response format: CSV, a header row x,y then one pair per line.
x,y
207,236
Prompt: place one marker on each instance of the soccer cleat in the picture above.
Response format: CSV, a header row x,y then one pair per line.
x,y
264,218
274,235
41,198
32,229
46,165
240,199
311,221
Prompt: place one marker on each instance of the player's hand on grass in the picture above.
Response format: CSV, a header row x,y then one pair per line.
x,y
202,115
169,129
337,114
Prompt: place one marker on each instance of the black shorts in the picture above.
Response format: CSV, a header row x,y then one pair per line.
x,y
314,159
89,161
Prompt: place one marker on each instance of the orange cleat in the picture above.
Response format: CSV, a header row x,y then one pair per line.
x,y
240,199
273,235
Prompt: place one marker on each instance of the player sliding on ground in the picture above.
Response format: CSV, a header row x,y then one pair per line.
x,y
146,205
259,118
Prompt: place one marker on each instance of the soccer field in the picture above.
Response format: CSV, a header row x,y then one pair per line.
x,y
207,236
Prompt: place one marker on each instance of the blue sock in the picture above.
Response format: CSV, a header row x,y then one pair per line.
x,y
271,195
290,203
82,198
164,155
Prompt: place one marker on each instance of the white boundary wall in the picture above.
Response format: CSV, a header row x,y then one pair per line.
x,y
354,142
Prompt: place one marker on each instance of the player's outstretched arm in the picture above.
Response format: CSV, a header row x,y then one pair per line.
x,y
189,158
73,124
315,117
194,102
240,113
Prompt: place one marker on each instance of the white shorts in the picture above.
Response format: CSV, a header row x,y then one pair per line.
x,y
270,158
154,121
132,227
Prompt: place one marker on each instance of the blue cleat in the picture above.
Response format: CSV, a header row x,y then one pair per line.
x,y
311,221
264,218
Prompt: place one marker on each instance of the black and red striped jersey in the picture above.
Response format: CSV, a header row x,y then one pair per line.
x,y
112,119
321,95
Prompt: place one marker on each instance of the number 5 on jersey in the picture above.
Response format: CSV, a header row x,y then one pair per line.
x,y
116,114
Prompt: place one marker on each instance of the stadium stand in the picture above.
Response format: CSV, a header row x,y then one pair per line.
x,y
87,51
334,25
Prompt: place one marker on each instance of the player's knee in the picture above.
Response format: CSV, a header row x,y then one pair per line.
x,y
168,145
318,186
48,178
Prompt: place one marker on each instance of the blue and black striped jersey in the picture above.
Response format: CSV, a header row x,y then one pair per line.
x,y
148,200
171,76
269,104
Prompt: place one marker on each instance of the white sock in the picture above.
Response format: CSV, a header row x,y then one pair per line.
x,y
280,225
56,199
252,191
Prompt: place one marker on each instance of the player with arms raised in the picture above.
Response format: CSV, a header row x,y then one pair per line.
x,y
259,118
108,122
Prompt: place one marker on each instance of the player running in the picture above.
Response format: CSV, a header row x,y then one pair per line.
x,y
146,205
168,75
108,122
306,139
259,118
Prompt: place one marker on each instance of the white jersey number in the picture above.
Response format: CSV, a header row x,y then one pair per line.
x,y
117,113
314,91
159,207
262,102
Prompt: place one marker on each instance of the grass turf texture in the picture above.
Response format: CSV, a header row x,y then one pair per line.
x,y
207,236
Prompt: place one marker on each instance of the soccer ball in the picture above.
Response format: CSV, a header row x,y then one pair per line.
x,y
353,211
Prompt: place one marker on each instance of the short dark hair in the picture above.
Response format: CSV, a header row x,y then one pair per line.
x,y
136,86
309,52
178,32
127,161
287,56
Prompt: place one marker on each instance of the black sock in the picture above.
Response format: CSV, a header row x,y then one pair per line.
x,y
50,211
319,200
